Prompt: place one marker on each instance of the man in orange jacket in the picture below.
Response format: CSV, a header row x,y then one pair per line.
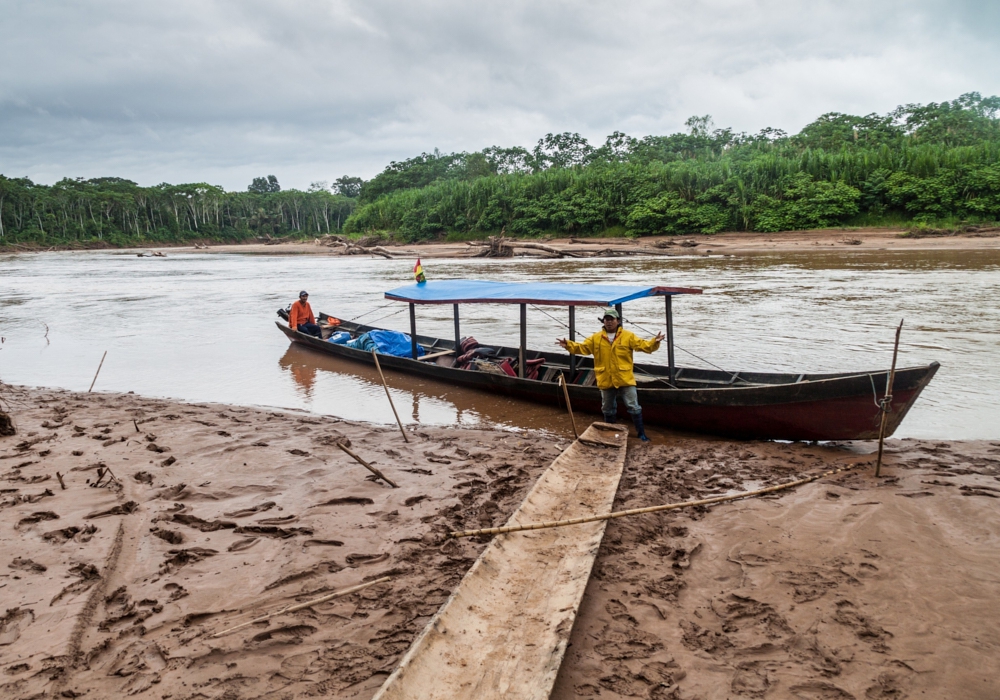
x,y
301,319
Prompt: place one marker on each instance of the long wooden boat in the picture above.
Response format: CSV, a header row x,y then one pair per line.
x,y
745,405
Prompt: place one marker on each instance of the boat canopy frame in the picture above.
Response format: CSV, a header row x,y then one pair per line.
x,y
456,292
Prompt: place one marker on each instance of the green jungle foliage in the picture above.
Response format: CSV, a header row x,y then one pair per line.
x,y
919,163
117,212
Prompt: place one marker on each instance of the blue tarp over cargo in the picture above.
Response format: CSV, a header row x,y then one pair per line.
x,y
385,343
485,292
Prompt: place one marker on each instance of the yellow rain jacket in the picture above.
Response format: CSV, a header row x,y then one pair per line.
x,y
613,360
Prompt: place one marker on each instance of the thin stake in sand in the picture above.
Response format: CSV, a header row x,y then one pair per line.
x,y
569,406
369,467
302,606
650,509
386,387
887,401
98,371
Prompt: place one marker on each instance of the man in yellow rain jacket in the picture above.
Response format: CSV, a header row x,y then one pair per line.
x,y
612,350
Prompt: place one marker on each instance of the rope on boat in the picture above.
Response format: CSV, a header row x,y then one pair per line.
x,y
561,323
371,311
884,405
380,318
731,374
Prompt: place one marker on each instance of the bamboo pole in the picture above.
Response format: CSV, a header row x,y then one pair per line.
x,y
369,467
650,509
386,387
569,406
302,606
887,401
98,371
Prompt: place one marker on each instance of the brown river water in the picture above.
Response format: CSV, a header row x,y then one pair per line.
x,y
201,327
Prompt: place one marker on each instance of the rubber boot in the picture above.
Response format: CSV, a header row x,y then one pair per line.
x,y
639,429
610,418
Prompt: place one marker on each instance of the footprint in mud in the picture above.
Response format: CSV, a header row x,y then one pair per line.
x,y
171,536
322,543
177,591
75,533
355,559
417,470
197,523
143,478
252,510
864,627
172,493
330,567
347,501
698,638
122,509
153,447
979,491
87,575
183,557
119,606
27,565
620,644
281,520
414,500
13,623
38,517
291,634
243,544
738,612
17,499
621,681
819,690
272,531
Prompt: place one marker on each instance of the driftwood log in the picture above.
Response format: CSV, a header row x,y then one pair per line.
x,y
502,247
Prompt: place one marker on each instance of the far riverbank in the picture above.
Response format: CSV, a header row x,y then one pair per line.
x,y
732,243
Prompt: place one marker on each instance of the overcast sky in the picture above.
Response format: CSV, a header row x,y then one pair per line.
x,y
222,90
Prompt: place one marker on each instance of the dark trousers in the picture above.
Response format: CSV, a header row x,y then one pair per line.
x,y
310,329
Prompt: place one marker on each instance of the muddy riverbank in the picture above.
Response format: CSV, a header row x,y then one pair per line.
x,y
733,243
846,588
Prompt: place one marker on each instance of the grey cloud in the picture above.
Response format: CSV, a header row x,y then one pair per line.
x,y
222,90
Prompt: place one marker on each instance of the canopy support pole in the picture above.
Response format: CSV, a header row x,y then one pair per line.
x,y
413,330
458,335
572,336
670,337
522,351
618,308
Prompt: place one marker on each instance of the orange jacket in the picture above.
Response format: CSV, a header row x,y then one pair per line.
x,y
301,313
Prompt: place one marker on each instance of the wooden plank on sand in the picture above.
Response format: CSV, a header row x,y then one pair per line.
x,y
503,632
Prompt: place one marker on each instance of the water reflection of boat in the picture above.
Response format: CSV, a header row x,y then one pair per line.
x,y
752,405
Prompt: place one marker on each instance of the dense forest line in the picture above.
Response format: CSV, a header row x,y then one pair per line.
x,y
919,163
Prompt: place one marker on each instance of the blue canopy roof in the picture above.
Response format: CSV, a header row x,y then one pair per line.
x,y
485,292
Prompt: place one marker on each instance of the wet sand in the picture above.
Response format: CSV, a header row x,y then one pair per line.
x,y
733,243
852,587
224,514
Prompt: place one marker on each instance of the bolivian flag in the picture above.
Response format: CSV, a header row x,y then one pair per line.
x,y
418,272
